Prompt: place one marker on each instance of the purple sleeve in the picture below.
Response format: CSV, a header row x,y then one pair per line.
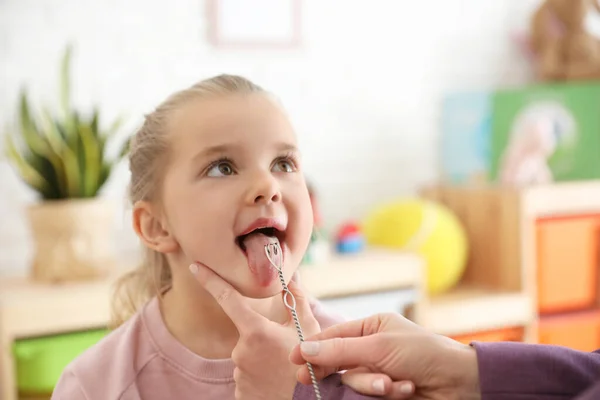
x,y
331,389
592,393
519,371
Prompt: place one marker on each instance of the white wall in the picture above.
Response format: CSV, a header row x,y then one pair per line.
x,y
363,91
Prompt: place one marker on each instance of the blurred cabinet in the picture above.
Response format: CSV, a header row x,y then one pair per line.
x,y
567,269
579,331
509,334
543,242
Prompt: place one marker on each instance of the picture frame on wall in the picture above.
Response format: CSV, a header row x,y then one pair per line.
x,y
254,23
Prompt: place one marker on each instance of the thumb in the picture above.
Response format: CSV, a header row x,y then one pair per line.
x,y
368,383
342,353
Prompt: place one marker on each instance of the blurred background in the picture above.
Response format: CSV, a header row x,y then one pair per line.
x,y
452,148
364,87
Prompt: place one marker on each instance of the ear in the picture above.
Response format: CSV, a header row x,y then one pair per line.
x,y
149,228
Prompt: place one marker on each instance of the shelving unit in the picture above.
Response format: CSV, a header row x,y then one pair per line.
x,y
535,249
476,310
560,235
347,282
360,285
29,309
494,294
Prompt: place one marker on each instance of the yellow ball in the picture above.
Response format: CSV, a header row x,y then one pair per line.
x,y
427,228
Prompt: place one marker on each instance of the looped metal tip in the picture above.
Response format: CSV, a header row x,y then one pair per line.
x,y
273,250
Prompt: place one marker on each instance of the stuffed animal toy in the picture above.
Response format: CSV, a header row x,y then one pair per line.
x,y
564,48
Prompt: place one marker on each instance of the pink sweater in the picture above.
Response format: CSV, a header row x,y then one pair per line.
x,y
142,360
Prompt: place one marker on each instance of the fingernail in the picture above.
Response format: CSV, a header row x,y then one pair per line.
x,y
406,388
193,269
379,386
310,348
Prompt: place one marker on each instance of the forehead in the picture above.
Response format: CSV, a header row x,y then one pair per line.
x,y
250,119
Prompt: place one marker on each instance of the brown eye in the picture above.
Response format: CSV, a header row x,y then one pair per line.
x,y
225,169
284,166
222,168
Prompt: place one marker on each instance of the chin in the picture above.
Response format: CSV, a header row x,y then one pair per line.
x,y
260,292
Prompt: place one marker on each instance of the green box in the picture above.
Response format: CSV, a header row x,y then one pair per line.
x,y
556,125
527,135
40,361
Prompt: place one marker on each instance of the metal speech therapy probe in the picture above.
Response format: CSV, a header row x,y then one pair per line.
x,y
273,250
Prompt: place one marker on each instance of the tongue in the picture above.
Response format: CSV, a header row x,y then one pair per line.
x,y
258,262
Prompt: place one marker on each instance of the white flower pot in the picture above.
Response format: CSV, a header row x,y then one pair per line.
x,y
73,239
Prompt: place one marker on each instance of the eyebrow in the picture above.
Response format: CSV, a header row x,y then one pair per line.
x,y
220,149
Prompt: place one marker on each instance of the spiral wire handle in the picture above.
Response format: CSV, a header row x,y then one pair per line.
x,y
272,250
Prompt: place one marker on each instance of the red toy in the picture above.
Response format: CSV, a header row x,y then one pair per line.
x,y
347,230
349,238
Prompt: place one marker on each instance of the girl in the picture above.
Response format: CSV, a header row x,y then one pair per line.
x,y
215,175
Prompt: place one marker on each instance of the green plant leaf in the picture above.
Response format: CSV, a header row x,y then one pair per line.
x,y
72,173
94,123
65,82
29,128
65,73
46,170
38,145
52,133
63,156
93,161
29,174
104,173
69,157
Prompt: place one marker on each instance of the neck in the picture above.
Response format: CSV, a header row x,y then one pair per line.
x,y
196,320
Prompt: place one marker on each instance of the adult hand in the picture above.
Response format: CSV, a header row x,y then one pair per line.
x,y
391,348
258,376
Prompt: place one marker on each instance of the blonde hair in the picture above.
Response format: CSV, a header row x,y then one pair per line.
x,y
148,154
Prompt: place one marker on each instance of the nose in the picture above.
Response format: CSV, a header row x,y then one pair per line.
x,y
265,190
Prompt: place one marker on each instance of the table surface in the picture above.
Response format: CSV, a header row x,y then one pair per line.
x,y
30,308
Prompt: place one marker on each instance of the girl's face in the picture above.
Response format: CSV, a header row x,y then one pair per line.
x,y
234,168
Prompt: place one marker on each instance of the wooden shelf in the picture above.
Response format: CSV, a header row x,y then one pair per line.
x,y
371,271
29,309
471,309
567,198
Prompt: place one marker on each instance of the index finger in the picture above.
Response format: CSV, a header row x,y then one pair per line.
x,y
356,328
343,353
230,300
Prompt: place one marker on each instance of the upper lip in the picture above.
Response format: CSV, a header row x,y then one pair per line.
x,y
275,223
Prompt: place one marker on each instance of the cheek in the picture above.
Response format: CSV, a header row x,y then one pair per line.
x,y
304,220
197,217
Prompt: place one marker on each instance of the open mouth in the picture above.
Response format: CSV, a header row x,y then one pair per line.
x,y
270,232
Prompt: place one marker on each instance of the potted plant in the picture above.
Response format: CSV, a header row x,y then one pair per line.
x,y
63,158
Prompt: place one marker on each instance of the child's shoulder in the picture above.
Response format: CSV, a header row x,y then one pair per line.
x,y
109,367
